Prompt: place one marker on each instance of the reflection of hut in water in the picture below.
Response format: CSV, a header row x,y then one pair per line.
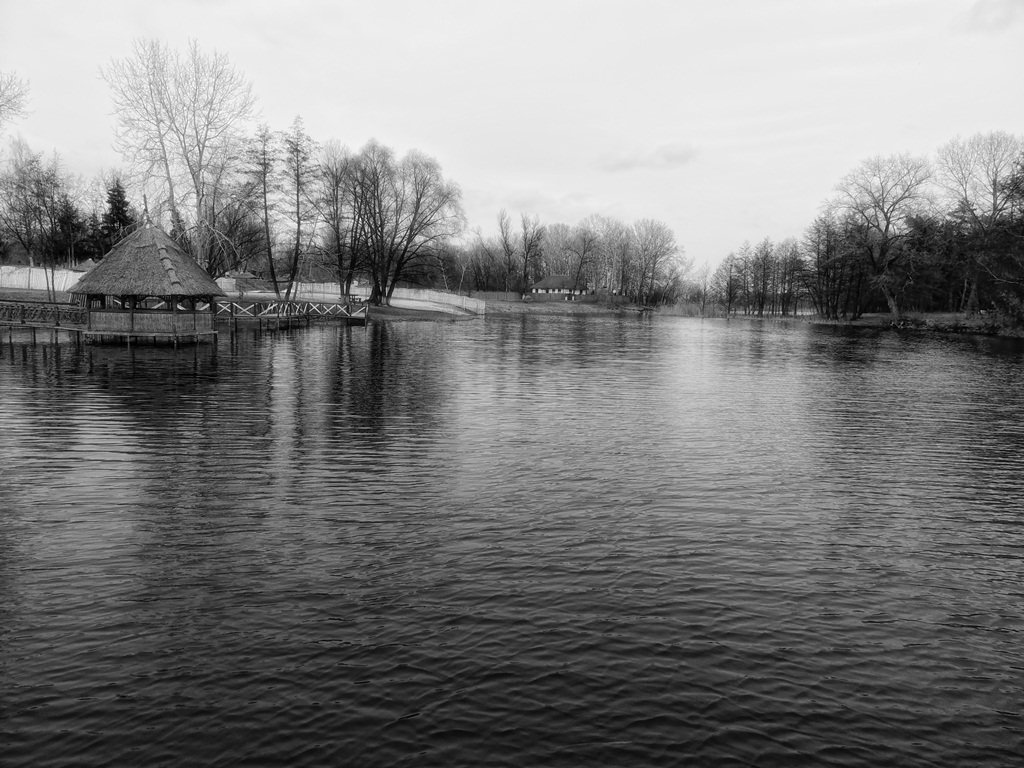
x,y
148,288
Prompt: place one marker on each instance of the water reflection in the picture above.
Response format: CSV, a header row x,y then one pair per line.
x,y
523,541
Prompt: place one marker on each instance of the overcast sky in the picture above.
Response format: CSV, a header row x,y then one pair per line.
x,y
729,120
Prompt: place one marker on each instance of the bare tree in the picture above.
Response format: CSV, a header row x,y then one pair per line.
x,y
655,244
334,206
725,284
880,195
20,192
531,246
616,256
975,173
36,210
262,157
179,121
298,179
404,211
702,287
556,257
485,267
509,249
583,247
761,268
13,97
789,271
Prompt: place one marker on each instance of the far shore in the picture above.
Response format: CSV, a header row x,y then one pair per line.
x,y
935,322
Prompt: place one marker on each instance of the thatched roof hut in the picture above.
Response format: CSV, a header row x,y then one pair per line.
x,y
147,263
148,287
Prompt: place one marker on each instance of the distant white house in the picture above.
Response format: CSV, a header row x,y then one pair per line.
x,y
561,285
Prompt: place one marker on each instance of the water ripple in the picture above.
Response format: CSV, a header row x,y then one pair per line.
x,y
514,543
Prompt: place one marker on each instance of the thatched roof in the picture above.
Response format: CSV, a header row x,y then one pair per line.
x,y
147,263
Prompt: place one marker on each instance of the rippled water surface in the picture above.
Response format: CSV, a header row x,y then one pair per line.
x,y
514,542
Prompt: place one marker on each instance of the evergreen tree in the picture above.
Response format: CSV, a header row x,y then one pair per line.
x,y
119,219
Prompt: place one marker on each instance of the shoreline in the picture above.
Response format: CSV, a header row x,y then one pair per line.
x,y
924,322
954,323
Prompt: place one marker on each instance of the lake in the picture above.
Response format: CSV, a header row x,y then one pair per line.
x,y
516,541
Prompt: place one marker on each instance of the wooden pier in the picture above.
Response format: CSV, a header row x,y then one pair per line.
x,y
266,315
40,315
285,314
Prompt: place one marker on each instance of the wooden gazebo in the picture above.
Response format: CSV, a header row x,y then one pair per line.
x,y
148,288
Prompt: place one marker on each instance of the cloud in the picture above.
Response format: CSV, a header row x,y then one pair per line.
x,y
994,15
663,158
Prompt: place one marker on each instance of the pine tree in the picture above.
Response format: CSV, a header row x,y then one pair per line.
x,y
119,219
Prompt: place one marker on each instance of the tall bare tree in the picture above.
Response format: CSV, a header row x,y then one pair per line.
x,y
583,248
655,246
298,182
880,195
975,172
615,258
334,206
21,185
557,256
702,287
726,284
531,233
509,250
761,268
180,121
405,211
262,157
36,210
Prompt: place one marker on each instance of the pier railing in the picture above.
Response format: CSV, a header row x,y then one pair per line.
x,y
40,314
242,308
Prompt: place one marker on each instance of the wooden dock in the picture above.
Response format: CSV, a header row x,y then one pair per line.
x,y
266,315
40,315
283,314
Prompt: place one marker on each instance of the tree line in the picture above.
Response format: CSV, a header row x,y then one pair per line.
x,y
285,207
54,217
640,261
900,233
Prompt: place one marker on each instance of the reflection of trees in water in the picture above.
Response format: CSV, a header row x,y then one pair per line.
x,y
148,483
185,411
42,378
388,382
912,421
217,473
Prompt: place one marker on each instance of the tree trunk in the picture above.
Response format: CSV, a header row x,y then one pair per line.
x,y
890,300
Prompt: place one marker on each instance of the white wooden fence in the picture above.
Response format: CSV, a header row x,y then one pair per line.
x,y
38,278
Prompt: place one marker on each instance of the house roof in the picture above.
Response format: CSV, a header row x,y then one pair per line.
x,y
555,282
147,263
